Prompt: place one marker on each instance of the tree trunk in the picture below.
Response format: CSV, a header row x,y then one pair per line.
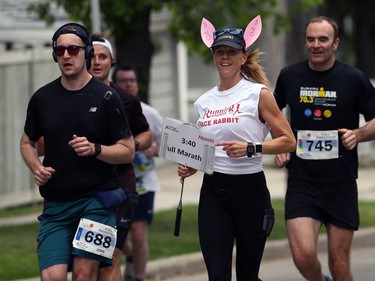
x,y
365,35
134,47
295,38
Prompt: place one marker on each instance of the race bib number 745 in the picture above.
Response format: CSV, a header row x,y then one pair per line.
x,y
317,145
96,238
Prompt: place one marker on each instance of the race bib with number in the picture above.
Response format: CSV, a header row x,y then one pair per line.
x,y
317,145
96,238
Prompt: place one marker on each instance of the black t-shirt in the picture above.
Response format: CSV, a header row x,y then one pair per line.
x,y
138,124
327,100
95,112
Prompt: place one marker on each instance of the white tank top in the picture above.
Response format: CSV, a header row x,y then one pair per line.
x,y
233,115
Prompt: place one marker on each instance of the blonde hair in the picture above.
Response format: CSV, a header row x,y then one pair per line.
x,y
252,70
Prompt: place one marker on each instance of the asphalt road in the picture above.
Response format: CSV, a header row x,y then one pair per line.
x,y
283,269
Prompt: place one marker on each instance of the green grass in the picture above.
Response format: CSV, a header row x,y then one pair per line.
x,y
18,258
21,210
163,243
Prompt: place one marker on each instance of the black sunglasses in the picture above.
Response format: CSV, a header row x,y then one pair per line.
x,y
233,31
72,50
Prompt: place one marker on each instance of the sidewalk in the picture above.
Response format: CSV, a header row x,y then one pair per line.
x,y
169,196
276,181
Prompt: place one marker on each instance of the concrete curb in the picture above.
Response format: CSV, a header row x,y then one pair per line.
x,y
278,249
177,265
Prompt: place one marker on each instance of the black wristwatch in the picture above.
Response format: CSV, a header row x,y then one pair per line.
x,y
136,143
98,149
253,148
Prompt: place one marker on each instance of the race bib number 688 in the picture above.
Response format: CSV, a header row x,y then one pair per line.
x,y
95,238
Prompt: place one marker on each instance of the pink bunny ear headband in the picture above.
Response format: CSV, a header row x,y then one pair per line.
x,y
231,36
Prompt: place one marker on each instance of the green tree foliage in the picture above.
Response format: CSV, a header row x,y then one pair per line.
x,y
356,31
187,15
128,22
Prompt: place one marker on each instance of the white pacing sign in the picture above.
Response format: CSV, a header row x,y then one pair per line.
x,y
185,144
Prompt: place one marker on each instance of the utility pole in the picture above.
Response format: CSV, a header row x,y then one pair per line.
x,y
95,16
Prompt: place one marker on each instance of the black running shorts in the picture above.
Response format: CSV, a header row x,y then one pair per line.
x,y
330,203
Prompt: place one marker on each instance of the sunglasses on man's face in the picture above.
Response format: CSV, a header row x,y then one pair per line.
x,y
72,50
233,31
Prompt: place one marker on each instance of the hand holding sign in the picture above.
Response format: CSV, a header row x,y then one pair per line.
x,y
185,144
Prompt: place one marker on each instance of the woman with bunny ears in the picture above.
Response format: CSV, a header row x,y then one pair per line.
x,y
235,205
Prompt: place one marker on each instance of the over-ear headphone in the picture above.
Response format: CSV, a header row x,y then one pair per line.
x,y
81,32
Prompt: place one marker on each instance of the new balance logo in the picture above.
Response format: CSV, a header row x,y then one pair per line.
x,y
93,109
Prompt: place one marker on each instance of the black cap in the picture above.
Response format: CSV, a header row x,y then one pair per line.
x,y
235,41
73,28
